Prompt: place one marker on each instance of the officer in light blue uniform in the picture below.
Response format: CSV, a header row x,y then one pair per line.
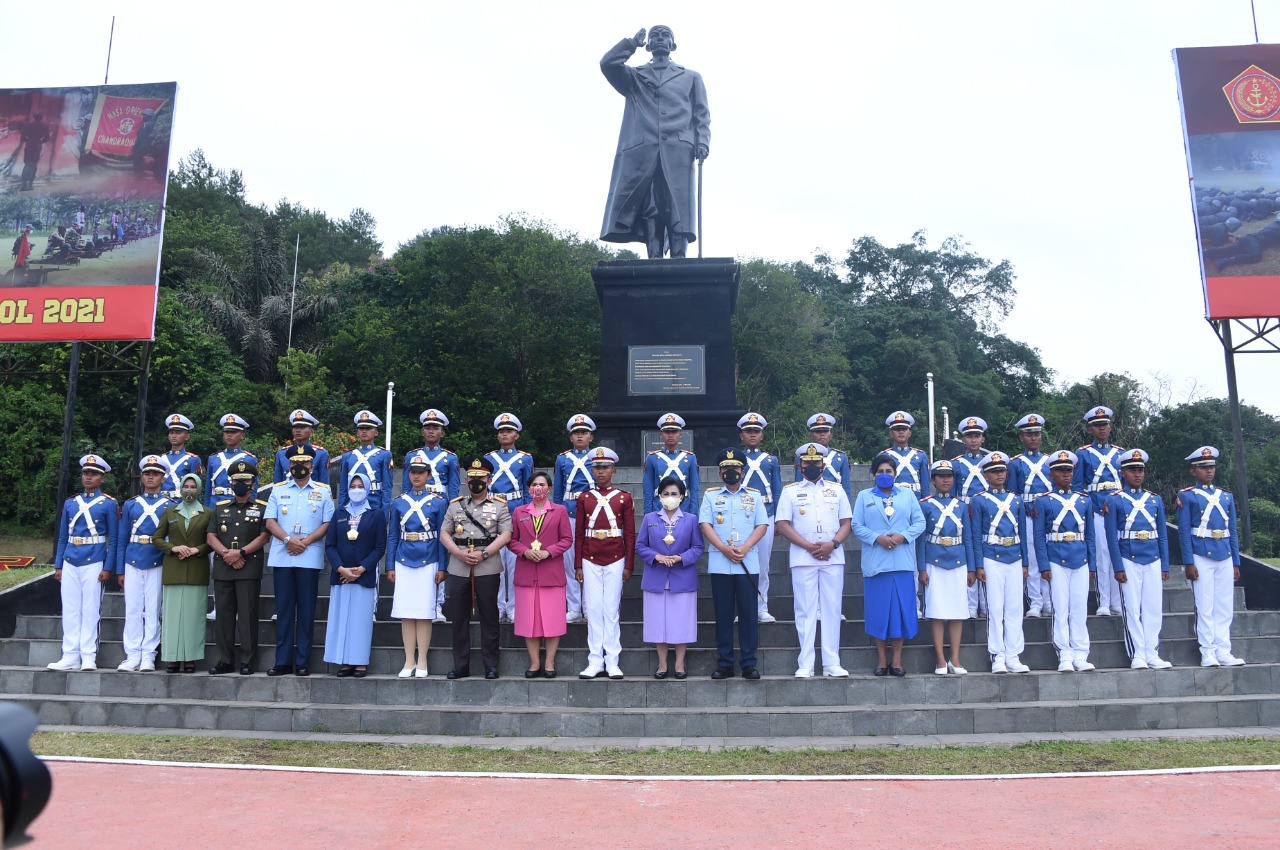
x,y
371,460
762,473
178,460
511,471
217,485
1066,551
1139,546
836,467
1029,478
1001,550
572,478
83,560
1098,474
303,425
911,465
945,555
442,465
671,460
137,564
1211,555
968,483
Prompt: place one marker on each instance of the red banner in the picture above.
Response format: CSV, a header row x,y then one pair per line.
x,y
79,313
118,121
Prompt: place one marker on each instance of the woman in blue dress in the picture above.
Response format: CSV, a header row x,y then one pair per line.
x,y
355,542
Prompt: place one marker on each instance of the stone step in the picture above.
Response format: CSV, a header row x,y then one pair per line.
x,y
748,715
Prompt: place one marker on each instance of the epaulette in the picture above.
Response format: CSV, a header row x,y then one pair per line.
x,y
751,489
109,496
316,484
659,451
926,499
223,502
454,499
260,502
1185,489
792,484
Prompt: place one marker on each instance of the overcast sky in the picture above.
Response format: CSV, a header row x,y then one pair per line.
x,y
1045,134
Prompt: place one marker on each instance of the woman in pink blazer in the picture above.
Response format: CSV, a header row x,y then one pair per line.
x,y
541,535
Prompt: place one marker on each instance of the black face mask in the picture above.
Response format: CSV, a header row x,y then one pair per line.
x,y
731,476
300,470
477,486
240,488
813,473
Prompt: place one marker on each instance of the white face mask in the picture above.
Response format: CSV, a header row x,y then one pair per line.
x,y
671,502
357,495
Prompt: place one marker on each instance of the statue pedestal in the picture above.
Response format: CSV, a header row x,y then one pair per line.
x,y
666,344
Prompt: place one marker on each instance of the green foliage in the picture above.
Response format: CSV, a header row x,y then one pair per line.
x,y
322,242
30,448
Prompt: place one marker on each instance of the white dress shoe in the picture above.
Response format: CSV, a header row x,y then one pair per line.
x,y
1015,665
439,617
766,617
406,673
1033,611
614,671
129,665
148,665
1103,611
1083,665
836,672
1139,664
420,673
591,672
212,615
804,673
956,669
1158,663
940,671
577,619
64,664
88,665
1065,666
973,613
1209,661
1226,659
998,666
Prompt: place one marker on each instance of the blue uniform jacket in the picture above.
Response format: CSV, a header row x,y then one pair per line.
x,y
835,467
426,520
444,481
656,466
929,550
983,511
1098,472
95,517
376,461
1029,476
319,467
179,464
217,486
1078,521
1193,503
1150,540
365,551
137,521
511,471
767,479
572,478
969,481
912,469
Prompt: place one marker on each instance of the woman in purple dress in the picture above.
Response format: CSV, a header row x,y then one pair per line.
x,y
669,543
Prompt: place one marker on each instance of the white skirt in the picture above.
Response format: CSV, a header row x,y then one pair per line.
x,y
945,597
414,594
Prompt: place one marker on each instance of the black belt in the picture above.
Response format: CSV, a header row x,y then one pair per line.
x,y
473,542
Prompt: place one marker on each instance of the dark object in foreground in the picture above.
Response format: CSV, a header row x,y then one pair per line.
x,y
25,783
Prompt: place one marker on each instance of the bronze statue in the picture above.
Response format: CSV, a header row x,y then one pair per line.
x,y
666,126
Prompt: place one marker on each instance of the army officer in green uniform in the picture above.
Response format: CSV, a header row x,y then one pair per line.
x,y
238,536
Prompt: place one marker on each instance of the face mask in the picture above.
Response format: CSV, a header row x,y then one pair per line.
x,y
731,476
299,470
357,495
240,488
885,480
813,473
671,502
538,491
189,495
477,486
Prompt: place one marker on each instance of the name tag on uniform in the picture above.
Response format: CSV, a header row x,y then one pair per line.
x,y
253,514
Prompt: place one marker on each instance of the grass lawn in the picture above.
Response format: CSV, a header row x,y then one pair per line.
x,y
9,578
38,547
1049,757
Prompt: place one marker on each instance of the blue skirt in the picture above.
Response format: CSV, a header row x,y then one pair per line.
x,y
350,633
891,605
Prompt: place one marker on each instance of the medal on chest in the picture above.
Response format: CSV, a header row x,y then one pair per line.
x,y
352,534
802,510
536,545
284,509
719,519
888,511
458,530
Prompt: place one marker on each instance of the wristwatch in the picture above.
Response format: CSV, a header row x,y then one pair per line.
x,y
484,554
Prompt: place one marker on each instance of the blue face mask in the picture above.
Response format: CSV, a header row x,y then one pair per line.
x,y
357,495
885,480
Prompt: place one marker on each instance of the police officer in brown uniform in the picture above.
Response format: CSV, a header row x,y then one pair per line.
x,y
238,536
477,526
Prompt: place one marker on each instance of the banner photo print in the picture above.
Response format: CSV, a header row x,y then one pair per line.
x,y
83,174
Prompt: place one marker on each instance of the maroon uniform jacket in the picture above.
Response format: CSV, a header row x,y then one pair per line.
x,y
598,542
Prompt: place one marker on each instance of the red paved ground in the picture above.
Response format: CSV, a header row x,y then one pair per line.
x,y
138,807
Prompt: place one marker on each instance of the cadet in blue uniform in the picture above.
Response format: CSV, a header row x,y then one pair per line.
x,y
1139,544
298,514
572,478
1211,555
912,464
414,564
84,559
1001,551
370,459
1098,475
136,568
217,485
836,463
670,460
511,471
179,461
1066,551
762,473
733,522
443,477
969,482
1028,477
303,425
947,565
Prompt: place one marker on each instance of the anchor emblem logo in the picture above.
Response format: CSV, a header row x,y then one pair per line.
x,y
1254,96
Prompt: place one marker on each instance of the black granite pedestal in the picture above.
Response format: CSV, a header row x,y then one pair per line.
x,y
666,344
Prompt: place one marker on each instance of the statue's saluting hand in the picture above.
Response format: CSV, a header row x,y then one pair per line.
x,y
639,39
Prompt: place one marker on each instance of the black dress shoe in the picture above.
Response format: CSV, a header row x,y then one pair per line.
x,y
723,673
531,674
302,670
173,667
491,672
660,674
280,670
220,668
549,673
880,671
750,673
898,671
344,673
189,667
681,674
360,672
246,669
459,673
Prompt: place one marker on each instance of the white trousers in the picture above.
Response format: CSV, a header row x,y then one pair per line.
x,y
1142,595
81,611
601,596
976,601
1038,595
141,613
1070,592
572,590
815,585
1004,608
1215,599
1108,587
507,584
763,552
